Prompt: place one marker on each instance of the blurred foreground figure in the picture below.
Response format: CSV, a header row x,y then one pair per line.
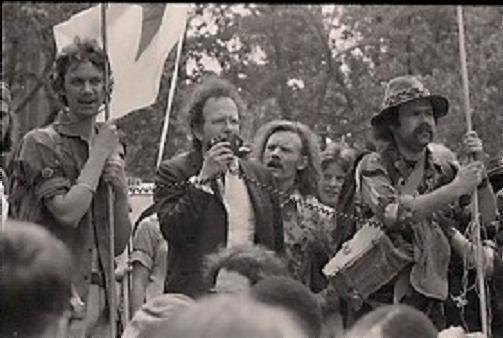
x,y
294,297
393,321
231,316
154,316
34,282
236,269
59,180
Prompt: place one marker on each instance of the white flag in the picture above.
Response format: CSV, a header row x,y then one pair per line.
x,y
139,39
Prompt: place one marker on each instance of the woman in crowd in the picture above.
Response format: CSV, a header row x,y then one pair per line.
x,y
336,160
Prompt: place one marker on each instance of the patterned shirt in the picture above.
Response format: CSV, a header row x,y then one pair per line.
x,y
46,164
381,175
309,237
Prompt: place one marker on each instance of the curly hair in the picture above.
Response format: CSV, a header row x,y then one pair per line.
x,y
78,52
255,262
210,87
307,179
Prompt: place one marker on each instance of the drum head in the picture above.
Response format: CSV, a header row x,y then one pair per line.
x,y
351,250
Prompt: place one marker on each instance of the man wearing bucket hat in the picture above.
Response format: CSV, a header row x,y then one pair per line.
x,y
411,189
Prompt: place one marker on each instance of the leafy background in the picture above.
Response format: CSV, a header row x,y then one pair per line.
x,y
325,66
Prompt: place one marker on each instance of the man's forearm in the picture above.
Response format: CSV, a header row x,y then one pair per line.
x,y
138,290
425,205
69,208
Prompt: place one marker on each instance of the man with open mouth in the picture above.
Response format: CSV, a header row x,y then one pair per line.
x,y
60,176
291,152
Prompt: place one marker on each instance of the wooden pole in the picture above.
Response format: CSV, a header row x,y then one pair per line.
x,y
110,205
475,200
126,283
170,98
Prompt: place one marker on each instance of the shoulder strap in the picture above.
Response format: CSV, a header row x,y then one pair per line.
x,y
414,179
390,168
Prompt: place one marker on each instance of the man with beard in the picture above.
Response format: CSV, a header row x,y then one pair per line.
x,y
411,191
58,181
209,197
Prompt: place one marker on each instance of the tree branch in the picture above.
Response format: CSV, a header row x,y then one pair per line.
x,y
31,94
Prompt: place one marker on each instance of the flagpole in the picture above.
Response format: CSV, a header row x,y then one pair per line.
x,y
170,97
111,222
475,200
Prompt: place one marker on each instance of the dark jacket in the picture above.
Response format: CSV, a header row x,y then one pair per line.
x,y
194,222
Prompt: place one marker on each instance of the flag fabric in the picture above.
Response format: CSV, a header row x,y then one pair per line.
x,y
139,39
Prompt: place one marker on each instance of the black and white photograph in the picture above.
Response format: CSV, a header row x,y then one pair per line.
x,y
256,170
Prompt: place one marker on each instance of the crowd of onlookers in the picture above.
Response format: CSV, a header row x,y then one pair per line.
x,y
264,239
36,298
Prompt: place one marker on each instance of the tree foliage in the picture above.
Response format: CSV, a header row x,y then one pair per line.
x,y
325,66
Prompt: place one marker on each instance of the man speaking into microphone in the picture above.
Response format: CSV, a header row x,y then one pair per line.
x,y
209,197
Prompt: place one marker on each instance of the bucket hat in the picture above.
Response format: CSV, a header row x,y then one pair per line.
x,y
403,89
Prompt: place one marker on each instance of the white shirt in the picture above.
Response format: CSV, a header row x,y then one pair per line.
x,y
241,218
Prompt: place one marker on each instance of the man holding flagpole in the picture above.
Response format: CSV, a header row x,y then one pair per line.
x,y
59,177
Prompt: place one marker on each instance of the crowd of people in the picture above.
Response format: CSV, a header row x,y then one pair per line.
x,y
271,241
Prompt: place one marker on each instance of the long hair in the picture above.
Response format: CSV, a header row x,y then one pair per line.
x,y
210,87
79,52
307,179
382,132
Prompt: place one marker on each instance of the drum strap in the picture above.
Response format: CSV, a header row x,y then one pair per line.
x,y
402,285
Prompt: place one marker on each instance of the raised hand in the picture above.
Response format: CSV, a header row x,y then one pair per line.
x,y
114,170
469,177
472,145
105,141
216,160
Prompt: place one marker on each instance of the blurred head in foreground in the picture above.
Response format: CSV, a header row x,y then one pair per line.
x,y
35,282
393,321
237,268
229,316
156,314
294,297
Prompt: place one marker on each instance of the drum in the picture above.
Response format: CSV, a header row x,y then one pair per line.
x,y
365,263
